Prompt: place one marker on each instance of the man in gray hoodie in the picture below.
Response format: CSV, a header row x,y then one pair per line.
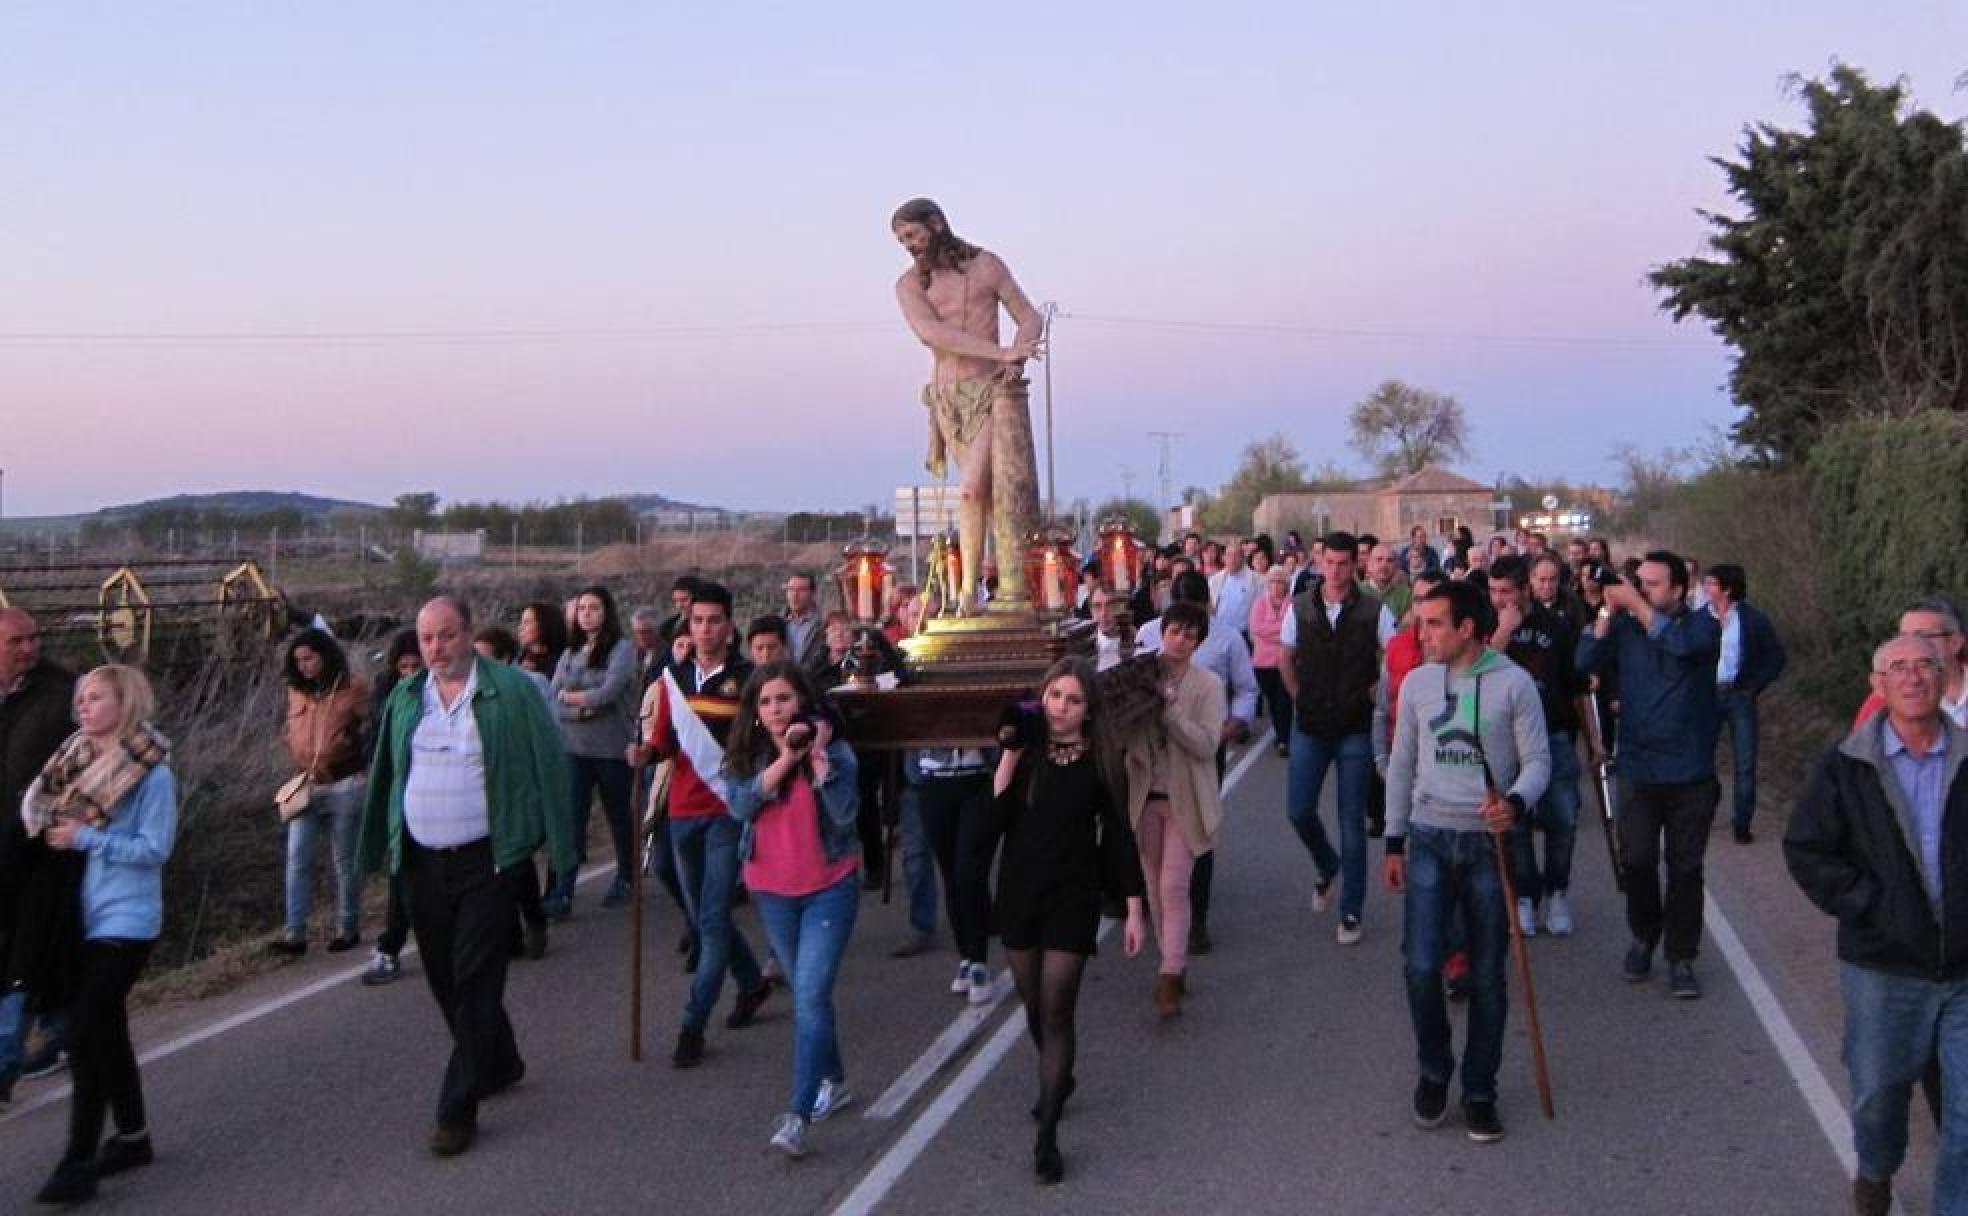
x,y
1470,755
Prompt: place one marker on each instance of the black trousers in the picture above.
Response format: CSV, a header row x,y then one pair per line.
x,y
99,1051
875,814
462,911
1680,816
1202,878
957,820
396,926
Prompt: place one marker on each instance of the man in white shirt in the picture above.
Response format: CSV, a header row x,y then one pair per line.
x,y
1233,590
468,781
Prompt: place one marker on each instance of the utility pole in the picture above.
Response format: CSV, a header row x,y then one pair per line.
x,y
1127,482
1166,471
1050,311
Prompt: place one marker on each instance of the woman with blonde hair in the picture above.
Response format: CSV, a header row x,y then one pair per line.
x,y
107,798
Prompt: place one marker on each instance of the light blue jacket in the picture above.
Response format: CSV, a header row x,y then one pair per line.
x,y
123,885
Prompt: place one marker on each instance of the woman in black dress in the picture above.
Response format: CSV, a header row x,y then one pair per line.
x,y
1061,803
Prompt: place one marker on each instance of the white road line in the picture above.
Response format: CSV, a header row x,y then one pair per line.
x,y
948,1045
876,1184
1804,1071
889,1168
171,1047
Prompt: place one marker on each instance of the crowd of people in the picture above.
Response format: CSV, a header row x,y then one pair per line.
x,y
1457,693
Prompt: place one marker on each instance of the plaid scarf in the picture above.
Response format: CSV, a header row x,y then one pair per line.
x,y
84,780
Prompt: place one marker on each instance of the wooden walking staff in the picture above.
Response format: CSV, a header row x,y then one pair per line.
x,y
1522,955
636,805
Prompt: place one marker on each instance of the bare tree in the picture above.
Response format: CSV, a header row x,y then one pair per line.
x,y
1401,428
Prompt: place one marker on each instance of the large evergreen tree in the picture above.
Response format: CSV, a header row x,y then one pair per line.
x,y
1843,286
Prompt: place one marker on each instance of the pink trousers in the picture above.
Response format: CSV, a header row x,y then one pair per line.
x,y
1166,863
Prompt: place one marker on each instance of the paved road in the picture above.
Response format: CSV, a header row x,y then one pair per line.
x,y
1283,1088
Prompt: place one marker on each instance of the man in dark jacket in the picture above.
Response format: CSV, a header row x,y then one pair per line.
x,y
1330,646
1880,840
1752,659
1664,656
36,714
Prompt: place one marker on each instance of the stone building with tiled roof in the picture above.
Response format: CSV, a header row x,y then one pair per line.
x,y
1433,497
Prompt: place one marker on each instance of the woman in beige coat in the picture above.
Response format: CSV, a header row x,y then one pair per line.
x,y
1173,804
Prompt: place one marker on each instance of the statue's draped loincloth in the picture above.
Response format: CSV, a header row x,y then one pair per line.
x,y
957,413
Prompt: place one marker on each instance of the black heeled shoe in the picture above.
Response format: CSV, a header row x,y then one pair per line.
x,y
1047,1165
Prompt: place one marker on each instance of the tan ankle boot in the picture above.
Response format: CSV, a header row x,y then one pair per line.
x,y
1168,995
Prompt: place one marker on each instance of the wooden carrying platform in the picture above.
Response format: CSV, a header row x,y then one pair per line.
x,y
965,671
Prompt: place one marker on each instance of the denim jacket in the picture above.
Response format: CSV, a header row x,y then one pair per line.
x,y
839,799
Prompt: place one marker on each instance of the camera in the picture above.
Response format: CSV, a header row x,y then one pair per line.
x,y
1022,725
1604,574
799,734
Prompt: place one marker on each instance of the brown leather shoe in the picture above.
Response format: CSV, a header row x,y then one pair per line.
x,y
1870,1197
448,1140
1168,995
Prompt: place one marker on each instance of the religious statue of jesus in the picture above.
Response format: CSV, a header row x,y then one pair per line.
x,y
976,396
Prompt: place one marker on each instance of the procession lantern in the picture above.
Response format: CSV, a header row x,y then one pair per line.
x,y
866,580
1052,571
946,555
1120,555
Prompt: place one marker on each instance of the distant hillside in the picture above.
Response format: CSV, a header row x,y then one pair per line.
x,y
237,502
643,504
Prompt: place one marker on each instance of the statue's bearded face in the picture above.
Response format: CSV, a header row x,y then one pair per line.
x,y
915,238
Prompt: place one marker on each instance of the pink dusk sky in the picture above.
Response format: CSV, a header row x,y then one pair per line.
x,y
527,252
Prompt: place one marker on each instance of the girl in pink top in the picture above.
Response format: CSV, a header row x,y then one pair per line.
x,y
792,784
1266,617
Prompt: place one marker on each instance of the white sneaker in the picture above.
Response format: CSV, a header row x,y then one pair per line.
x,y
1348,933
980,984
961,985
833,1096
1558,914
1527,918
789,1136
1324,891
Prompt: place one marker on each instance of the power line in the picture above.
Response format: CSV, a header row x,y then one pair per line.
x,y
640,333
1330,333
416,336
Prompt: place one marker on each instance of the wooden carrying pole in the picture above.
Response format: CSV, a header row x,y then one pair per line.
x,y
1523,957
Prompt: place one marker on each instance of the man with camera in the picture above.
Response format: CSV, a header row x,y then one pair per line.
x,y
1664,656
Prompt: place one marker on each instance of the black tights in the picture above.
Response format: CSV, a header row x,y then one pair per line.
x,y
1049,985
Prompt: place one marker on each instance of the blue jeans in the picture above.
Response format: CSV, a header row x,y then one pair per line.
x,y
337,811
1306,776
1739,717
1557,814
809,935
918,863
13,1007
613,777
1451,872
1892,1025
707,861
